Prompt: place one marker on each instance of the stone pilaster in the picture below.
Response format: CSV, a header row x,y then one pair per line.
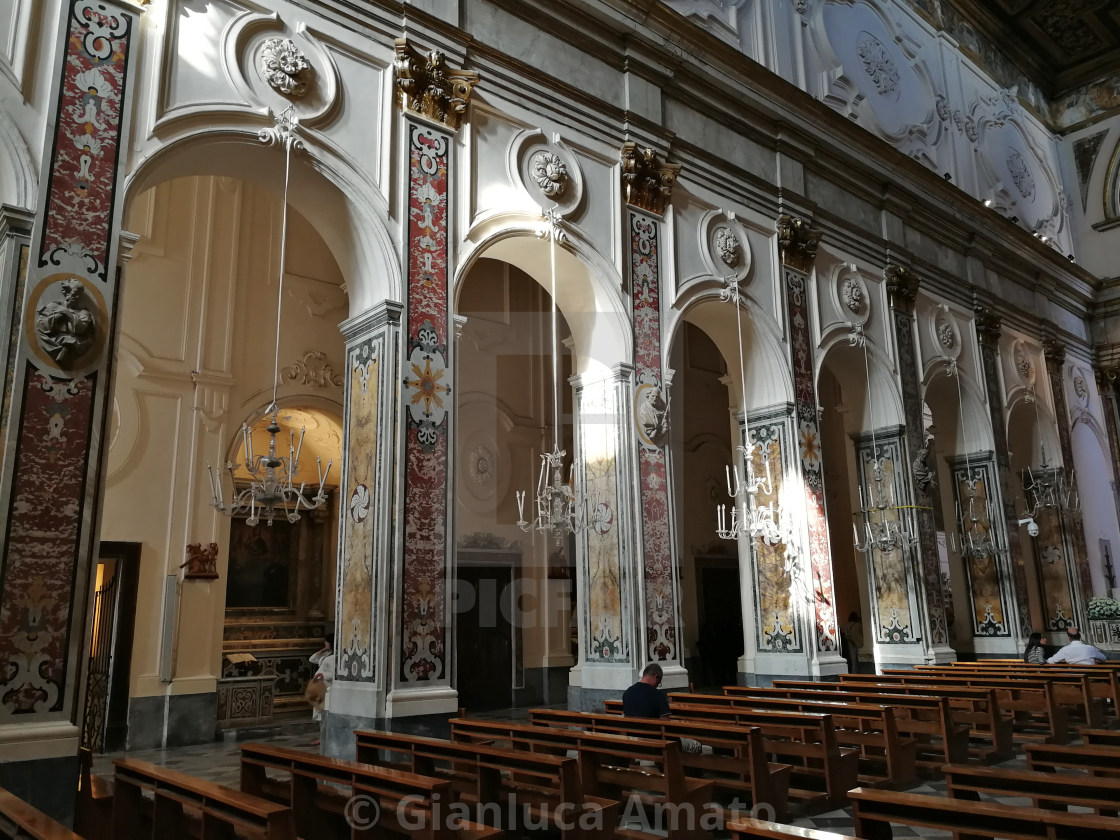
x,y
433,98
1005,530
918,480
367,536
1075,553
610,572
797,241
647,185
57,388
1107,375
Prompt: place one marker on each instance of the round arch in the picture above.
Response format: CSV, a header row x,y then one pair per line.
x,y
588,291
346,211
859,375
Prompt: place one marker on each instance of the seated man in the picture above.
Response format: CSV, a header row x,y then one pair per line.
x,y
642,699
1077,652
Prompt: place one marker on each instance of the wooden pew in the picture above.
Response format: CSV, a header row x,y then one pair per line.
x,y
1105,680
736,765
319,788
20,821
888,757
874,810
750,828
1094,760
93,812
548,787
928,720
1101,737
179,799
1034,705
991,731
823,771
611,766
1052,791
1085,698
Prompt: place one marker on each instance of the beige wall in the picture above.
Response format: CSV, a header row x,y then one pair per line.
x,y
195,360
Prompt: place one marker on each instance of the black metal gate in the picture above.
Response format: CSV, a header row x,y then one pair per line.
x,y
100,660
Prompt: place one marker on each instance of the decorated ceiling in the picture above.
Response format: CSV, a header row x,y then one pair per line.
x,y
1059,44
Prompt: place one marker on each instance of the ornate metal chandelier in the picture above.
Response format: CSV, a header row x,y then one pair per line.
x,y
748,517
974,532
557,508
1048,487
272,488
885,524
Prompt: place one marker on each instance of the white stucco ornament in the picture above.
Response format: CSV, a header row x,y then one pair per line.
x,y
852,294
481,465
284,66
878,64
728,246
549,173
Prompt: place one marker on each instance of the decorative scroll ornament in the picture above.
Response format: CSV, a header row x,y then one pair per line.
x,y
313,370
1080,387
801,6
549,172
797,241
1023,363
647,182
202,563
285,67
1020,173
878,64
946,336
66,330
428,87
728,246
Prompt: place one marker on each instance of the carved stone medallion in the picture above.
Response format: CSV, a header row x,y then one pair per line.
x,y
1080,387
65,318
728,246
284,66
1023,364
851,292
946,336
549,173
878,64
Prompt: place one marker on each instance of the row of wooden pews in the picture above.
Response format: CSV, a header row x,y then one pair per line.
x,y
1035,711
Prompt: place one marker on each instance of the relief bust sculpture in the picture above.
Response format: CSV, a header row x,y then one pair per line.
x,y
65,329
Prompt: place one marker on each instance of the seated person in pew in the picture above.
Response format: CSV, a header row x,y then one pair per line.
x,y
643,699
1077,652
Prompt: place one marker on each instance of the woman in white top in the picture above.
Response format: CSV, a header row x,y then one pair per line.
x,y
319,689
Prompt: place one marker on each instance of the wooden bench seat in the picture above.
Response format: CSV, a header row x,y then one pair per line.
x,y
1052,791
736,764
823,771
613,767
1085,699
874,810
93,811
546,787
318,789
1094,760
177,799
887,758
1104,677
1101,737
990,728
940,739
20,821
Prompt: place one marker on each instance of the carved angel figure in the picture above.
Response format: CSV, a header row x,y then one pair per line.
x,y
924,475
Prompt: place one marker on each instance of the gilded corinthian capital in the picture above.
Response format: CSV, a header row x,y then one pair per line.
x,y
902,286
428,87
797,241
647,182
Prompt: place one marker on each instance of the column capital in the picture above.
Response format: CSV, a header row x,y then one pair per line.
x,y
902,286
989,327
647,181
427,86
1054,352
797,242
385,312
15,221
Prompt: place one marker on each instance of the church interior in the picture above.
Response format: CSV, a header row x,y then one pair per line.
x,y
409,378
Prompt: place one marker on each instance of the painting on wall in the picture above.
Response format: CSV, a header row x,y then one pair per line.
x,y
261,562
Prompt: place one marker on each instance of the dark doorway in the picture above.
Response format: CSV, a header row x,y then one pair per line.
x,y
485,637
721,620
105,716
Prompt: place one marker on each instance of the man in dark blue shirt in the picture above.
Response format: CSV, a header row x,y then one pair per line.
x,y
643,699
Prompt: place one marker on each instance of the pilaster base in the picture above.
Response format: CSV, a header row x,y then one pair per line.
x,y
989,647
337,732
899,656
409,702
941,655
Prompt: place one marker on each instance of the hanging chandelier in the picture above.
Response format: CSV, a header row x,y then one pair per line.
x,y
885,525
973,538
272,489
557,508
748,517
1048,488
